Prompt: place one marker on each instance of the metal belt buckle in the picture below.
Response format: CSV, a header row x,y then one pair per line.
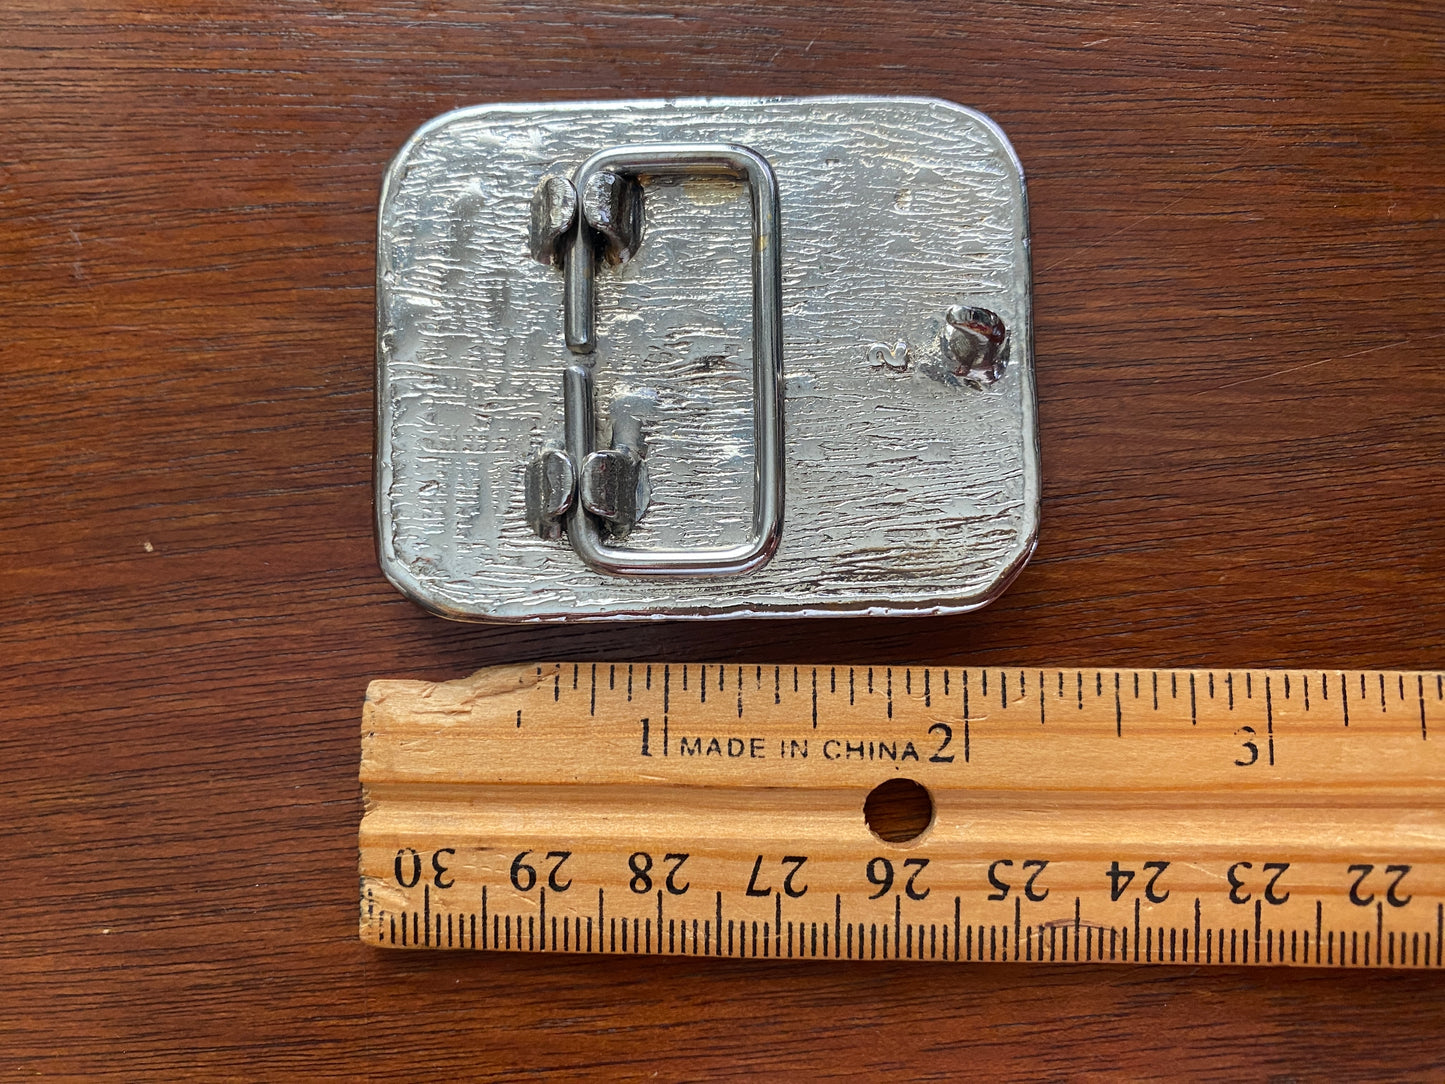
x,y
807,322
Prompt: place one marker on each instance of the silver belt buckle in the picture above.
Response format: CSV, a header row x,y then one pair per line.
x,y
808,321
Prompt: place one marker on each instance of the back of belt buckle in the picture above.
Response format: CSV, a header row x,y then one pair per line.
x,y
806,321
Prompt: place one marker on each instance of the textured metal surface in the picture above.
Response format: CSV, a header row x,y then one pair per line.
x,y
909,489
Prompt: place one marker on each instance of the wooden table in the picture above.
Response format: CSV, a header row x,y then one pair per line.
x,y
1238,250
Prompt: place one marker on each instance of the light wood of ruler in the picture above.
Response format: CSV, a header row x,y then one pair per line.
x,y
1248,817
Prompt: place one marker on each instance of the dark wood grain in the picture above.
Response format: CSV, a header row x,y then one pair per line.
x,y
1240,267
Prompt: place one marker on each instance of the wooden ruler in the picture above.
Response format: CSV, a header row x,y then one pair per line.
x,y
1140,816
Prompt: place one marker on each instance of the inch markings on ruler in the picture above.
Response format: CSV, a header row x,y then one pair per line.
x,y
837,812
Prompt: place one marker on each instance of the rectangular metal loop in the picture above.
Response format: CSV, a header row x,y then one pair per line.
x,y
673,159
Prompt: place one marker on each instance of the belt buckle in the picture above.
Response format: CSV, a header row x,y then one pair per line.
x,y
852,433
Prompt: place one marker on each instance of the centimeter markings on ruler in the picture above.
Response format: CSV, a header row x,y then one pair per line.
x,y
1246,817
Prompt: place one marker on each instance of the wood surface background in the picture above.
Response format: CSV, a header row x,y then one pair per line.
x,y
1238,244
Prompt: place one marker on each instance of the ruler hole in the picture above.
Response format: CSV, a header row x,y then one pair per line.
x,y
898,811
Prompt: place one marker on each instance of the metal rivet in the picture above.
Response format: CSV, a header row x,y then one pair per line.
x,y
974,341
554,209
551,481
612,205
614,487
